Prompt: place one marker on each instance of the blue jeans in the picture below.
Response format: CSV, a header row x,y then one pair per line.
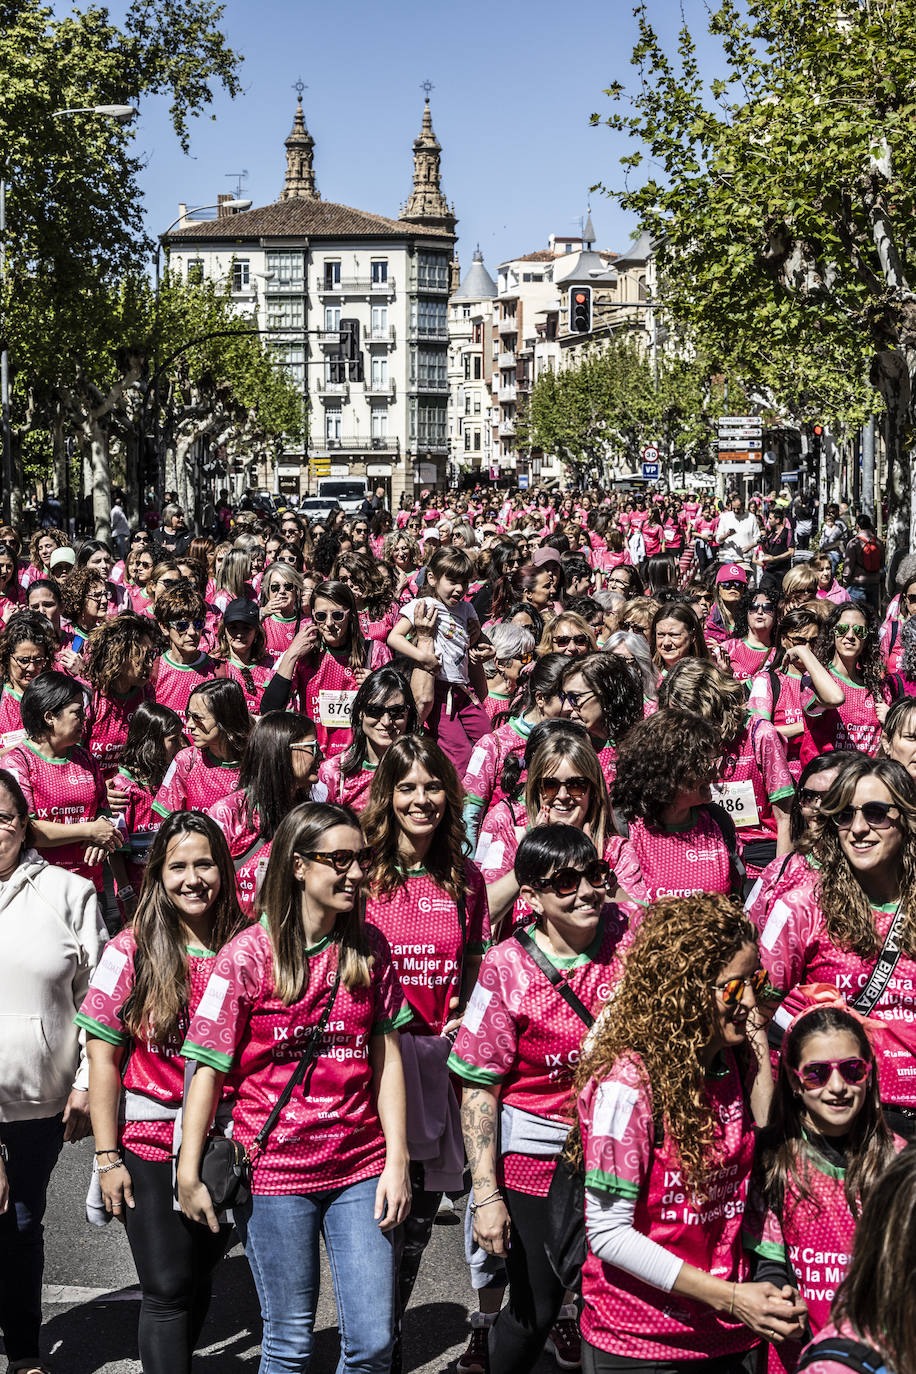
x,y
280,1236
33,1149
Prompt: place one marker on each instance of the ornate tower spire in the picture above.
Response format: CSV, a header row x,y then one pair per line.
x,y
300,146
427,205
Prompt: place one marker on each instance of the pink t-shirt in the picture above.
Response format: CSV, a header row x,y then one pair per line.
x,y
788,710
760,759
154,1070
195,781
139,822
279,632
745,659
854,725
496,703
379,629
652,537
421,924
175,682
352,790
796,948
325,693
11,731
891,642
67,791
333,1137
679,862
481,781
620,1313
252,678
231,815
519,1032
107,723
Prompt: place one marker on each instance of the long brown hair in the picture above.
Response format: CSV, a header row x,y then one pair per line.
x,y
563,744
664,1011
846,909
341,595
876,1296
158,1001
445,861
783,1148
299,832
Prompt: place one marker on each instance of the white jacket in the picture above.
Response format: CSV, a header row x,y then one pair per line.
x,y
51,936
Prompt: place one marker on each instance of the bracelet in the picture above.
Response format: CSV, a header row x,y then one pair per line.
x,y
731,1305
107,1168
494,1197
113,1151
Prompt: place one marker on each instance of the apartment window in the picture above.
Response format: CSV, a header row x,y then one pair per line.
x,y
286,270
478,333
379,423
429,318
477,439
335,371
380,371
432,367
291,357
284,313
241,274
380,319
332,318
466,312
379,270
331,275
467,441
467,367
467,403
195,271
431,425
476,405
432,272
478,367
332,423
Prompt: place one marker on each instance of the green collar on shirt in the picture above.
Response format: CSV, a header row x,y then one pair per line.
x,y
283,619
44,757
200,953
521,726
691,821
368,767
884,906
417,872
842,678
718,1068
311,949
572,960
184,667
822,1165
11,691
219,763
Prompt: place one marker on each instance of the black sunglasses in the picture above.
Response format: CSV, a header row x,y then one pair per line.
x,y
875,814
341,860
182,625
566,881
378,712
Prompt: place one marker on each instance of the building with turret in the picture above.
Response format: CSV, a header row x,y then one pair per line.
x,y
357,309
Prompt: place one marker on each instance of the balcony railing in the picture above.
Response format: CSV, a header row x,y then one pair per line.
x,y
339,390
507,393
507,429
386,388
508,325
380,335
359,443
429,331
505,360
355,286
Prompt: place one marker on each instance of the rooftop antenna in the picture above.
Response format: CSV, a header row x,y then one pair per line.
x,y
239,178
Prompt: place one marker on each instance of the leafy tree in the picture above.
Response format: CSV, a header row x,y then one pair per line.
x,y
781,195
74,204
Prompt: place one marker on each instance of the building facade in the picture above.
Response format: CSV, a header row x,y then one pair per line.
x,y
472,402
356,306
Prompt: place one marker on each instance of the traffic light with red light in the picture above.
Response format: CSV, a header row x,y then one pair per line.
x,y
580,310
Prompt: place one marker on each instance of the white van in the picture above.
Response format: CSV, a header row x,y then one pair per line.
x,y
348,492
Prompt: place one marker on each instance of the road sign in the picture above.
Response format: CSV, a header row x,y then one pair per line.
x,y
750,421
650,454
750,469
735,441
650,472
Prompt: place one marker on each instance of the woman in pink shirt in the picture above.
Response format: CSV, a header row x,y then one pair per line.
x,y
122,653
668,1093
219,725
383,711
27,648
828,589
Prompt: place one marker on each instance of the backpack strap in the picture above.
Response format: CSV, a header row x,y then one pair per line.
x,y
846,1351
775,686
553,975
737,869
620,823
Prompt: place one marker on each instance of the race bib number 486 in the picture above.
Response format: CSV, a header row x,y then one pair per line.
x,y
738,800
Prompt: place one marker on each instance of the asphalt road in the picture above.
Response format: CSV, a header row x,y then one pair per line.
x,y
91,1299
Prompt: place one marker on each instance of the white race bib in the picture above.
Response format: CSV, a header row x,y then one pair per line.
x,y
739,801
11,739
334,709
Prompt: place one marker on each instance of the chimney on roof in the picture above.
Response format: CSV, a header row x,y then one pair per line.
x,y
300,174
221,212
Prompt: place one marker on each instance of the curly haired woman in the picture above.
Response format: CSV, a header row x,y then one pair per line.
x,y
372,590
847,712
122,653
668,1093
833,930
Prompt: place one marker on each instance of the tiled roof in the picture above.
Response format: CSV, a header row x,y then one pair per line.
x,y
542,255
301,217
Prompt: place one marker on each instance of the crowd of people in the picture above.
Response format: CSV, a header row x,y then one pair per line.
x,y
554,851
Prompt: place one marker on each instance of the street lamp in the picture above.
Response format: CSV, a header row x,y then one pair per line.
x,y
121,114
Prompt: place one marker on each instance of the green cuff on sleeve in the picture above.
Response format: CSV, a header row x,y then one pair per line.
x,y
106,1033
469,1073
610,1183
397,1022
214,1059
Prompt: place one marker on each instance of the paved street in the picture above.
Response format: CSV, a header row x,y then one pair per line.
x,y
91,1300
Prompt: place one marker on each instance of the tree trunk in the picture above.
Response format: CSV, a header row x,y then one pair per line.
x,y
891,373
101,481
132,494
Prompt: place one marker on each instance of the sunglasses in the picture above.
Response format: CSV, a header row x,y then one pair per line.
x,y
320,617
341,860
763,608
732,586
632,628
278,587
733,990
182,625
818,1072
575,699
809,796
875,814
576,787
563,641
566,881
379,712
860,631
309,746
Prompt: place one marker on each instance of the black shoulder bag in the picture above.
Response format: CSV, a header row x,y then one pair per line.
x,y
226,1165
565,1244
864,1359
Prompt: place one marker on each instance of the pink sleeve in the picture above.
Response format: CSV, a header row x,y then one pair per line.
x,y
497,846
487,1043
760,701
771,757
16,763
389,996
225,1007
785,926
173,790
109,988
617,1131
480,778
623,859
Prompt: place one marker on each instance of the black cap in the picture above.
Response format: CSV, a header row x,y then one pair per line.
x,y
242,610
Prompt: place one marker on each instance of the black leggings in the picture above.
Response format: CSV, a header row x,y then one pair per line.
x,y
175,1259
595,1361
535,1293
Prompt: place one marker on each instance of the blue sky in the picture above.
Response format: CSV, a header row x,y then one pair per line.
x,y
514,88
